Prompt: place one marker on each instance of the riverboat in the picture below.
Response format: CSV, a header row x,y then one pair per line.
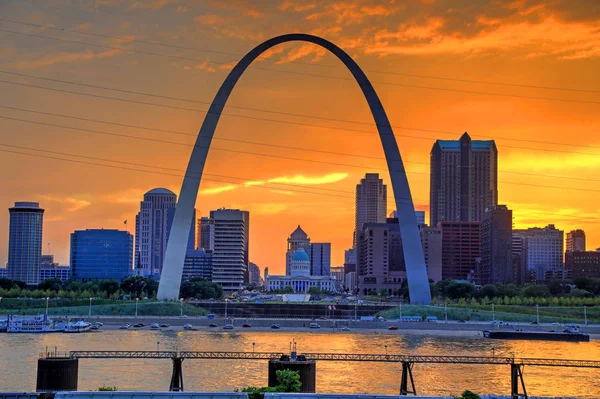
x,y
31,324
570,334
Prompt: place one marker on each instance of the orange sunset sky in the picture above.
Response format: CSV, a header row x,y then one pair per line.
x,y
525,73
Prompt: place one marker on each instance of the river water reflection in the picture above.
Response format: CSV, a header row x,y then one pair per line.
x,y
19,355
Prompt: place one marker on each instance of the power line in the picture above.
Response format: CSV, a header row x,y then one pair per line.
x,y
155,43
267,144
162,173
302,73
281,121
560,217
267,110
271,155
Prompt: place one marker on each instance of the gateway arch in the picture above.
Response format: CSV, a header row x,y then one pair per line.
x,y
416,271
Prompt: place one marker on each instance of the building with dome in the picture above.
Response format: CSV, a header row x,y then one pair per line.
x,y
298,239
299,276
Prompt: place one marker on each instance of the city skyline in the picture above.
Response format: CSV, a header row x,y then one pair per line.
x,y
89,196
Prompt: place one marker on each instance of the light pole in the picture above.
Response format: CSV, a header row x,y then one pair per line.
x,y
47,299
493,314
446,311
158,346
584,315
253,344
226,300
136,306
537,311
90,309
493,351
400,309
385,346
180,308
355,310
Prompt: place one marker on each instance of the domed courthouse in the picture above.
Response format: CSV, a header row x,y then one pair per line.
x,y
299,278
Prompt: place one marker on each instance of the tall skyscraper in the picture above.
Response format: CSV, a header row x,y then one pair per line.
x,y
230,254
461,249
371,202
576,240
151,225
464,180
542,253
25,242
101,254
255,278
197,264
298,239
206,233
496,246
320,259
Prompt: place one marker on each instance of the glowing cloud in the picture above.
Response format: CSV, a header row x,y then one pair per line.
x,y
73,203
299,179
217,190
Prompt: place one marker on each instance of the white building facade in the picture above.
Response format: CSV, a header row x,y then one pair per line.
x,y
299,278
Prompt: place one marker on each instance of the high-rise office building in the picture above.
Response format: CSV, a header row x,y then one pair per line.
x,y
464,180
320,259
25,242
419,214
496,246
461,249
379,256
298,239
582,264
151,225
371,202
255,278
431,239
542,253
197,264
230,253
101,254
206,233
350,260
575,240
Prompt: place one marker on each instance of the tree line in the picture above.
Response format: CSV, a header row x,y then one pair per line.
x,y
129,288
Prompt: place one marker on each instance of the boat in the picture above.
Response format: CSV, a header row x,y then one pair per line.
x,y
31,324
78,327
571,333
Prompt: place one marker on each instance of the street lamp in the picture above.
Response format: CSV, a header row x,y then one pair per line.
x,y
136,306
158,346
226,300
493,351
446,312
493,314
253,344
584,314
180,307
537,311
385,346
47,299
90,309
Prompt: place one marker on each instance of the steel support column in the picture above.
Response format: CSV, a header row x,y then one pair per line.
x,y
516,376
406,375
177,377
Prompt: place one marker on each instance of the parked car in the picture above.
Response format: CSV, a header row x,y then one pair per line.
x,y
393,328
154,326
138,325
212,325
165,325
314,325
211,316
228,327
246,325
275,326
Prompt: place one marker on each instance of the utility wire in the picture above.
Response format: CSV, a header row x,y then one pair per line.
x,y
275,120
239,55
560,217
270,111
302,73
267,144
273,156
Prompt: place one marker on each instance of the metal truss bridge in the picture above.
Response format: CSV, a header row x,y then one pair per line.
x,y
339,357
407,384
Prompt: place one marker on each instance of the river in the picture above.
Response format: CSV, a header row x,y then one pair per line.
x,y
19,353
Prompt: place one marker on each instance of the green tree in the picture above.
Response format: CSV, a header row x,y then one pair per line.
x,y
456,290
468,395
489,290
52,284
288,381
534,291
